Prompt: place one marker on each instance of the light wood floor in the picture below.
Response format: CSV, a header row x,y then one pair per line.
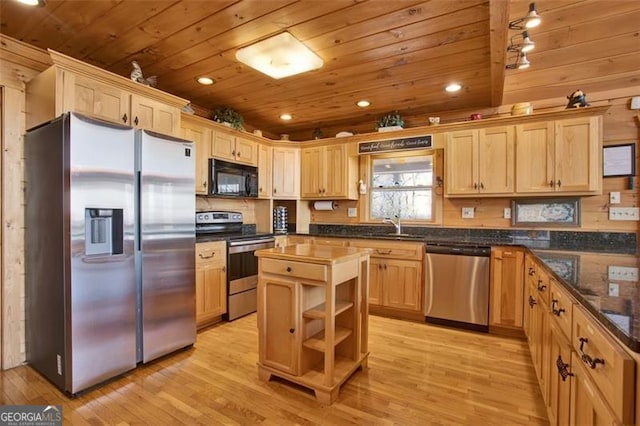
x,y
418,374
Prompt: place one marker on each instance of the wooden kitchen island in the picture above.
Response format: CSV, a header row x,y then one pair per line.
x,y
313,315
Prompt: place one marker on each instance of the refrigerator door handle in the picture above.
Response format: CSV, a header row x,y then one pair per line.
x,y
138,229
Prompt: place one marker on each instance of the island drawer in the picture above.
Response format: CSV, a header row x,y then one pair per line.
x,y
391,249
294,269
607,363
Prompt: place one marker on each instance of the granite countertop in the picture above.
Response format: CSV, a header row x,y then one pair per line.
x,y
605,284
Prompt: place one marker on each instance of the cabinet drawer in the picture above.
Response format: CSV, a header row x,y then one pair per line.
x,y
606,362
340,242
391,249
294,269
211,253
561,307
542,282
296,239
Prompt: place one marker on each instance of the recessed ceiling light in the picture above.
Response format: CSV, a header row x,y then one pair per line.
x,y
32,2
205,80
286,117
363,103
453,87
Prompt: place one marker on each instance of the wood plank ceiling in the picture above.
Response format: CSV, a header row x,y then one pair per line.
x,y
397,54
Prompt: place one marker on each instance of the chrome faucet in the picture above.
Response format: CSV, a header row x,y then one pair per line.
x,y
395,223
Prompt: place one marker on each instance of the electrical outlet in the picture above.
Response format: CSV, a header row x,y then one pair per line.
x,y
506,213
614,198
622,273
352,212
467,212
614,290
624,213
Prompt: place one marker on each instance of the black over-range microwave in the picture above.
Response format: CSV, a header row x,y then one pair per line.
x,y
228,179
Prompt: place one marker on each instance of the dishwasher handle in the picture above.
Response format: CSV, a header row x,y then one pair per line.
x,y
459,250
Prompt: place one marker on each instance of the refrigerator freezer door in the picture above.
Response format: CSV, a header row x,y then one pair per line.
x,y
103,284
166,251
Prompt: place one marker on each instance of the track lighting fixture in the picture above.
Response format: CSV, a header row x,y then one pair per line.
x,y
530,21
525,45
521,62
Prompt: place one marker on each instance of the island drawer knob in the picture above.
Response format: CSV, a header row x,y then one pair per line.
x,y
289,269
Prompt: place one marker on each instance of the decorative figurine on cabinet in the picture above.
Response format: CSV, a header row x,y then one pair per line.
x,y
577,99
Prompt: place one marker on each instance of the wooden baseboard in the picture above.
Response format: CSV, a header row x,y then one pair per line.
x,y
209,322
384,311
507,331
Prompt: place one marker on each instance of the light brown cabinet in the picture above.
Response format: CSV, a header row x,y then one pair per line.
x,y
395,274
562,156
264,170
506,302
480,161
286,173
329,171
230,147
312,315
71,85
195,129
211,282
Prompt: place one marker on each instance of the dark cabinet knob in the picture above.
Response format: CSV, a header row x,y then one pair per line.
x,y
125,118
559,183
136,121
289,269
292,330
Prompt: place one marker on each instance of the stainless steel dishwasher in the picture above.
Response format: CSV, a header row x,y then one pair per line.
x,y
457,286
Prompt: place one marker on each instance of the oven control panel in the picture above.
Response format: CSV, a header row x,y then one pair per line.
x,y
218,217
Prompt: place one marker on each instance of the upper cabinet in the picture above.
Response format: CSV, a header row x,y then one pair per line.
x,y
196,129
265,154
329,171
480,161
562,156
238,149
71,85
286,172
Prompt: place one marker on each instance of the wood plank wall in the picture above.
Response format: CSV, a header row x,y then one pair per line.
x,y
621,125
18,63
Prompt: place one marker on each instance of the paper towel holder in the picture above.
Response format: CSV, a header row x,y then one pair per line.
x,y
313,205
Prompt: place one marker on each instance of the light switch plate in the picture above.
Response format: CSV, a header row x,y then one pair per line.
x,y
506,213
352,211
614,198
622,273
467,212
635,102
614,290
624,213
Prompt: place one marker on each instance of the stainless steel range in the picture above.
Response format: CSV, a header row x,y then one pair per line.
x,y
242,265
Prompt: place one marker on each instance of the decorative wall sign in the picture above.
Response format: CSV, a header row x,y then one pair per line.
x,y
395,144
619,160
545,212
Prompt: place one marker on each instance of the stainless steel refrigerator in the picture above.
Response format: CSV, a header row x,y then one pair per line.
x,y
109,242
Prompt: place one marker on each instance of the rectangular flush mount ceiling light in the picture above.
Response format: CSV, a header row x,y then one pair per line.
x,y
279,56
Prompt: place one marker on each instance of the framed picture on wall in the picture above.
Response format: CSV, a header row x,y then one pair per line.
x,y
619,160
546,212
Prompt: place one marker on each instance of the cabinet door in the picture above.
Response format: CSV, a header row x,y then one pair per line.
x,y
153,115
402,284
588,406
335,179
535,157
211,293
246,151
559,402
496,160
376,275
311,168
577,153
461,162
279,321
286,173
201,136
264,171
87,96
224,146
507,288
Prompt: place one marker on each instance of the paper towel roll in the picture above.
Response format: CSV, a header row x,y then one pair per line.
x,y
325,205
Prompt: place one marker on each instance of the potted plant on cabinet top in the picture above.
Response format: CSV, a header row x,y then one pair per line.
x,y
223,114
391,121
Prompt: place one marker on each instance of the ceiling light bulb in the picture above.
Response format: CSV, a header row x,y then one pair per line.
x,y
363,103
532,19
205,80
453,87
286,117
32,2
523,62
527,44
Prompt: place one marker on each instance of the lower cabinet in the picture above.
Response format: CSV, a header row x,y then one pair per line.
x,y
560,376
506,300
588,406
211,282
